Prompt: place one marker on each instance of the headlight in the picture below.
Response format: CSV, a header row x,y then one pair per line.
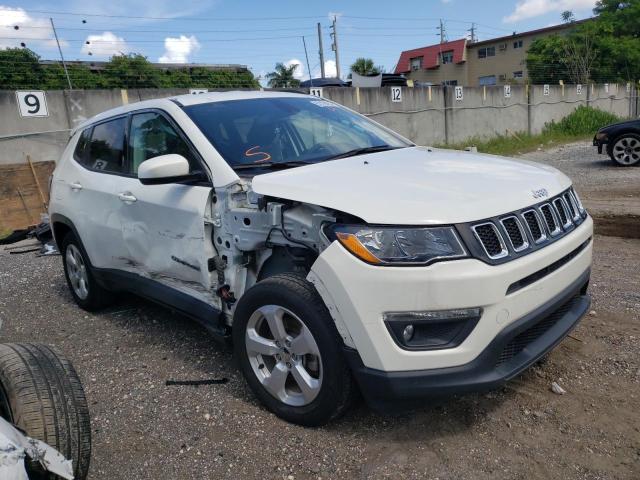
x,y
601,136
395,245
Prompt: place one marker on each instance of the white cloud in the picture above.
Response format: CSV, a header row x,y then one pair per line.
x,y
329,70
106,44
534,8
446,1
179,49
31,31
337,15
298,72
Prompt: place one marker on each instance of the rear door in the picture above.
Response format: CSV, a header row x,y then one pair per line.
x,y
163,226
98,172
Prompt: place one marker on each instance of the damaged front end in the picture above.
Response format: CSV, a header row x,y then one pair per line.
x,y
15,446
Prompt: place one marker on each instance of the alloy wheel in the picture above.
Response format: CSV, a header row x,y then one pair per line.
x,y
626,151
283,355
77,272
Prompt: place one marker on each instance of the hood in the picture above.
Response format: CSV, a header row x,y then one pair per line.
x,y
416,185
627,123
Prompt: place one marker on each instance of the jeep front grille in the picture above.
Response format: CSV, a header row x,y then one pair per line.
x,y
523,231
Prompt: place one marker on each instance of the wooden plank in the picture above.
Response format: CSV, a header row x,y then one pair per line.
x,y
20,176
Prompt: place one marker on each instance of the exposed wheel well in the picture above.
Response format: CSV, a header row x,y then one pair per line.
x,y
60,230
287,260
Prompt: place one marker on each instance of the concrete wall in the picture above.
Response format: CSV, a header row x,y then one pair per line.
x,y
425,115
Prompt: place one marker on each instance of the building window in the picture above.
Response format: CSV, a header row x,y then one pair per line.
x,y
451,83
485,52
416,63
487,80
517,74
517,44
446,57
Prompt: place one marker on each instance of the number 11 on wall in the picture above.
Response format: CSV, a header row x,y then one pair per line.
x,y
32,103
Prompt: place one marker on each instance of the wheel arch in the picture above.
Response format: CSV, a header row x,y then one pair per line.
x,y
61,226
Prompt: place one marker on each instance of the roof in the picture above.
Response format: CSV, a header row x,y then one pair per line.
x,y
185,100
430,55
561,26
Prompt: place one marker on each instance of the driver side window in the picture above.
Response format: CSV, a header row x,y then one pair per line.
x,y
151,135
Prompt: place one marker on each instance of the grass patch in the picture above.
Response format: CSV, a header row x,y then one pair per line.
x,y
581,124
4,232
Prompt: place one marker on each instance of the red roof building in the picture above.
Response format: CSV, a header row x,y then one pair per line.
x,y
432,56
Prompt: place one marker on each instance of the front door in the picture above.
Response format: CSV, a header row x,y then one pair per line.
x,y
163,225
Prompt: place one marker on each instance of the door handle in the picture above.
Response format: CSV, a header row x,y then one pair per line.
x,y
75,186
127,197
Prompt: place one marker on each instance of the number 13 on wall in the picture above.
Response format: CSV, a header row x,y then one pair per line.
x,y
32,103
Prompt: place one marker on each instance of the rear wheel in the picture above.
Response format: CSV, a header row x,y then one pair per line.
x,y
86,291
290,352
41,394
625,150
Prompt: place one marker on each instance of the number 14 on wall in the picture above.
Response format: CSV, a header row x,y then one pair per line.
x,y
32,103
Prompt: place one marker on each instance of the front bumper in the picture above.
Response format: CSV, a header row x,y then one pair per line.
x,y
514,349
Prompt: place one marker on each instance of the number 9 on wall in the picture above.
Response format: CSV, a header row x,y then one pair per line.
x,y
32,103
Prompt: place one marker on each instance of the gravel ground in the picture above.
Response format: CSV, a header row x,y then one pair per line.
x,y
145,430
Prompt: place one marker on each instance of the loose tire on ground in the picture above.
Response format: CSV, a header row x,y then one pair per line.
x,y
297,296
41,394
87,292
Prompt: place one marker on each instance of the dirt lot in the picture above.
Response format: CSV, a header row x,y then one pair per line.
x,y
144,429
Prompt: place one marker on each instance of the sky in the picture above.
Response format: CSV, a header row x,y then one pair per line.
x,y
259,33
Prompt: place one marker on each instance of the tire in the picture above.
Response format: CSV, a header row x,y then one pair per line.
x,y
625,150
41,394
88,294
329,387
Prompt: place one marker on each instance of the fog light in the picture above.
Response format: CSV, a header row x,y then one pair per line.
x,y
407,333
431,330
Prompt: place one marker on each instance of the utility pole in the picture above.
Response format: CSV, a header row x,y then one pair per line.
x,y
443,34
307,56
64,65
334,46
321,50
472,31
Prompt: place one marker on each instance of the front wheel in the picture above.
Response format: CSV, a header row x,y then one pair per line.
x,y
290,352
625,150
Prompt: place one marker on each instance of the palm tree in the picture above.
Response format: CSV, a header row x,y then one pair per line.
x,y
568,16
365,66
283,76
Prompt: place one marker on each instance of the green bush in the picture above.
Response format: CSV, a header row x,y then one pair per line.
x,y
582,121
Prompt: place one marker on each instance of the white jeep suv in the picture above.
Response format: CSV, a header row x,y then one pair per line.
x,y
335,254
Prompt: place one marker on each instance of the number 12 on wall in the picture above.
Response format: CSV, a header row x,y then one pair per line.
x,y
32,103
396,94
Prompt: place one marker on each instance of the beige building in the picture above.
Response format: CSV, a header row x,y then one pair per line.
x,y
490,62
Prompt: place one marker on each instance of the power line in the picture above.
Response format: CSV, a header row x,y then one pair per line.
x,y
222,19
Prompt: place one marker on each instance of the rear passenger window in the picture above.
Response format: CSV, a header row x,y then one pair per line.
x,y
106,148
152,135
81,146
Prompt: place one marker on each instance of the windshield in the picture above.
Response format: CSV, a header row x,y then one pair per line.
x,y
287,131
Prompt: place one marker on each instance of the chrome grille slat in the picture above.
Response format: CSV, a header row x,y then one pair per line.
x,y
562,212
534,224
550,218
515,233
489,237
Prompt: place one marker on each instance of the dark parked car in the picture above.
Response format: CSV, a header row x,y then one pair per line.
x,y
622,140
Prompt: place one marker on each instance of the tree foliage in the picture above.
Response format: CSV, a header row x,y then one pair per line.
x,y
20,68
366,66
605,49
283,76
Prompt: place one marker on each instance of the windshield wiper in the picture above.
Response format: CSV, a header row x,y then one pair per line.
x,y
362,151
295,163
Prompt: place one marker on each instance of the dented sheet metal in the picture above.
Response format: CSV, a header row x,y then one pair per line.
x,y
15,446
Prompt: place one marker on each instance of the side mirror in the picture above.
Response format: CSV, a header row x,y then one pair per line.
x,y
164,169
